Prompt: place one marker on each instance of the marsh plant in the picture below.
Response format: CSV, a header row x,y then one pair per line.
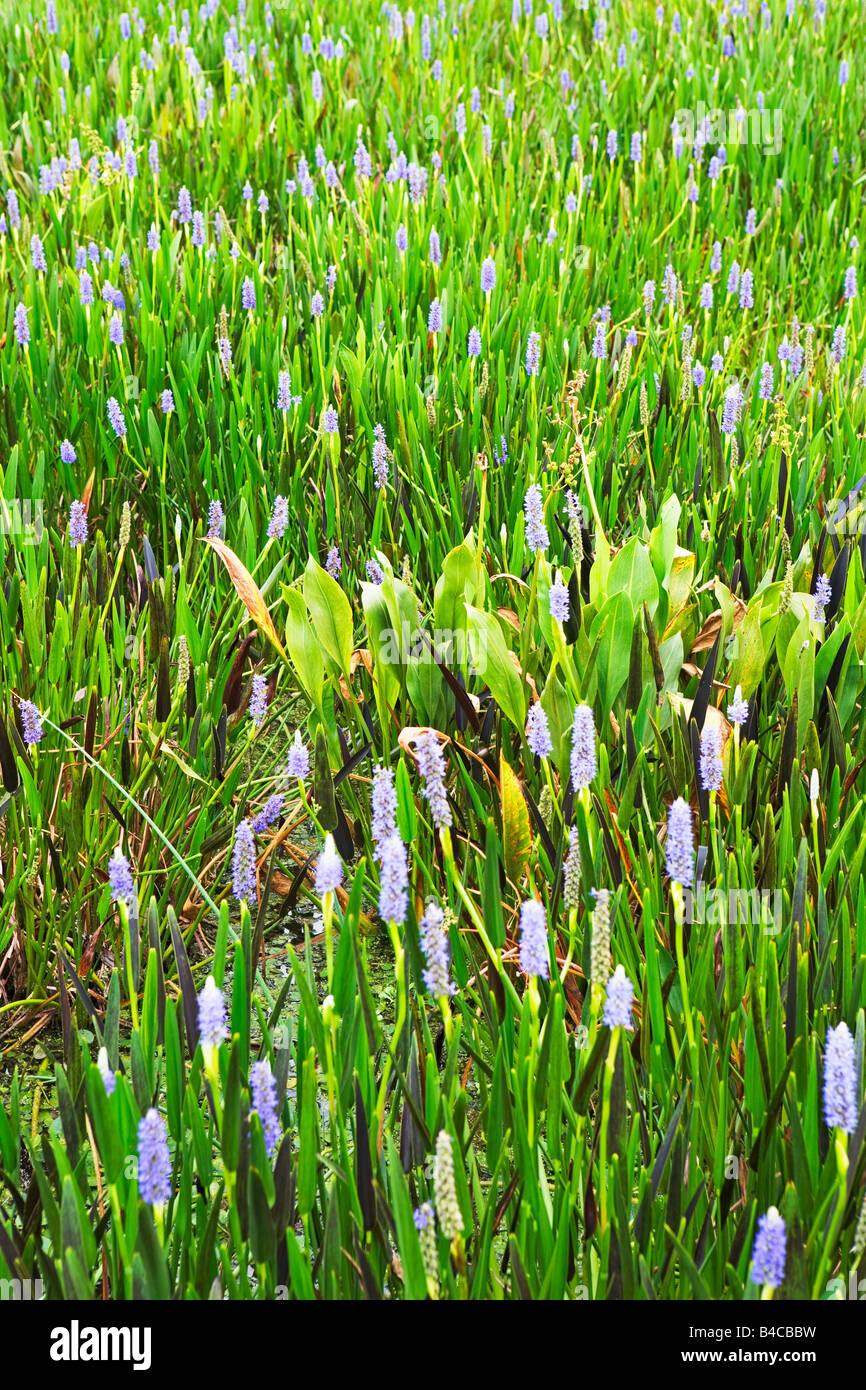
x,y
423,617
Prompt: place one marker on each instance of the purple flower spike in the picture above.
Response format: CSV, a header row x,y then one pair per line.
x,y
538,732
534,954
32,722
212,1027
618,1001
840,1080
77,531
434,944
244,864
769,1249
154,1163
394,880
259,701
533,509
383,807
120,879
431,765
711,758
679,845
584,762
263,1093
329,870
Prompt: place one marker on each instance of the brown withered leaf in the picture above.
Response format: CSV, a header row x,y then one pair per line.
x,y
247,591
88,491
510,617
710,630
714,715
88,955
281,883
360,657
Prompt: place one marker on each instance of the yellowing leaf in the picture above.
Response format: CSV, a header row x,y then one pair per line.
x,y
247,591
516,834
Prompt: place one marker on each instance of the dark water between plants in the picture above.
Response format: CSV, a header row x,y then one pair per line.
x,y
36,1057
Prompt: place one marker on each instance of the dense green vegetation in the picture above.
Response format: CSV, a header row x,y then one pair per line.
x,y
366,374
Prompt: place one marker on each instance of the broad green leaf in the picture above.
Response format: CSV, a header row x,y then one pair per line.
x,y
749,658
600,570
459,569
382,643
680,578
495,665
402,608
631,572
304,651
664,538
425,685
613,626
331,614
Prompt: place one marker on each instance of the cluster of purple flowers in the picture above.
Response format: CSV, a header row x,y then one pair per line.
x,y
115,418
263,1096
154,1161
215,519
31,720
769,1250
618,1000
380,458
584,762
533,354
212,1026
711,758
434,944
841,1105
820,599
244,863
431,765
269,814
120,879
393,879
329,869
258,701
279,519
538,732
77,531
679,844
738,711
383,821
534,949
533,509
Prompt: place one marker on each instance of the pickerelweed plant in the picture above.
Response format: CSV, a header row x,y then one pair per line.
x,y
431,497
